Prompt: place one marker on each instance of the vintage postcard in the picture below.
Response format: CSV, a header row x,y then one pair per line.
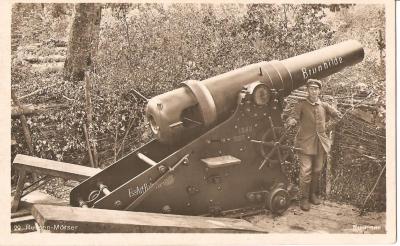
x,y
197,123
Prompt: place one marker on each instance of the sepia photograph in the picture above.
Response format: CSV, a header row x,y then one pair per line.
x,y
171,122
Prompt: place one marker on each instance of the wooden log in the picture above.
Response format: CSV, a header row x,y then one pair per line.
x,y
45,59
53,168
33,109
21,213
90,220
48,67
56,42
18,191
24,164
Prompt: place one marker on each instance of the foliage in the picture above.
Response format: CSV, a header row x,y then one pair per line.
x,y
32,23
365,23
287,30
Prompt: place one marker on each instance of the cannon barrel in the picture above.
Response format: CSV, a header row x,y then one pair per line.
x,y
209,101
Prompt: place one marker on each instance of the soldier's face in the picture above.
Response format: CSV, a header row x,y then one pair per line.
x,y
313,91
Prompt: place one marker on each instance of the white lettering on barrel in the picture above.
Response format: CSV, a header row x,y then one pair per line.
x,y
335,61
304,70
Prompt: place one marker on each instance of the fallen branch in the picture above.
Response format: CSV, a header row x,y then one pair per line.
x,y
54,67
373,188
69,99
33,109
39,90
45,59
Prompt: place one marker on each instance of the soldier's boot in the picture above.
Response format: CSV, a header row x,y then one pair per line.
x,y
305,193
314,199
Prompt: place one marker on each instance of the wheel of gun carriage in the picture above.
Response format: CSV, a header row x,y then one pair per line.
x,y
278,200
276,143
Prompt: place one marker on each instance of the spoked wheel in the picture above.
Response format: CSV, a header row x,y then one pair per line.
x,y
273,145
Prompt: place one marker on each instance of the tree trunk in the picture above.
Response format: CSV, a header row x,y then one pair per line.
x,y
83,40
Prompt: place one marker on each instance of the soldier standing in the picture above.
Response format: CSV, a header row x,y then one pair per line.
x,y
311,114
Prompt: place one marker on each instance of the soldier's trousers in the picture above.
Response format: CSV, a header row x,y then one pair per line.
x,y
310,164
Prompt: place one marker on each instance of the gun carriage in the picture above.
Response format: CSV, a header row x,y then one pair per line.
x,y
219,143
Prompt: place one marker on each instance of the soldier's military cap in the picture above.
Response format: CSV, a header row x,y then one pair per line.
x,y
314,82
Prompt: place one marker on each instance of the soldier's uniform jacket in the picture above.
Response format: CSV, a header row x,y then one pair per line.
x,y
312,118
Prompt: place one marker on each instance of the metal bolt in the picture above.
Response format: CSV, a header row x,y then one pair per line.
x,y
255,125
219,188
186,161
188,204
241,149
236,126
83,204
282,201
191,189
166,209
117,203
162,169
208,141
251,197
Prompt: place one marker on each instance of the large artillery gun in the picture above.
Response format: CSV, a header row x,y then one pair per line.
x,y
219,143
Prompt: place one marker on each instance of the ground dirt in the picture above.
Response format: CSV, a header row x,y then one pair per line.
x,y
329,217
